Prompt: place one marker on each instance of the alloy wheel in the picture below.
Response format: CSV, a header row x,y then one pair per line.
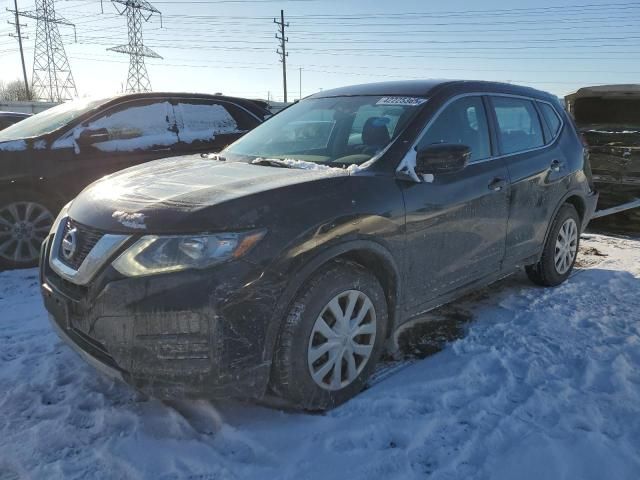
x,y
342,340
23,228
566,246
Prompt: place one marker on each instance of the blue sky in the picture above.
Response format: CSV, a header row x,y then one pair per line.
x,y
229,46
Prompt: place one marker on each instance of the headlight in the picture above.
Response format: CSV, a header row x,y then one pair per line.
x,y
61,215
161,254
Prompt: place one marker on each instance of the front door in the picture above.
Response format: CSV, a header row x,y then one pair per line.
x,y
456,223
127,134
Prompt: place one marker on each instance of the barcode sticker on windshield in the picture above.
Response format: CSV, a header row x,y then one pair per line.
x,y
408,101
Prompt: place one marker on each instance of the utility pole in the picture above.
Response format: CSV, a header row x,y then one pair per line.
x,y
136,11
18,35
282,50
52,79
300,94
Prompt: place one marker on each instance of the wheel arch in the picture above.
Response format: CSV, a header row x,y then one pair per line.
x,y
368,254
32,189
574,198
578,202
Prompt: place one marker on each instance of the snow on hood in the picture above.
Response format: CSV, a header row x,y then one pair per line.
x,y
130,220
304,165
593,130
13,146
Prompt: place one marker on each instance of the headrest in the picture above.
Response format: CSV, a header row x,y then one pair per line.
x,y
375,132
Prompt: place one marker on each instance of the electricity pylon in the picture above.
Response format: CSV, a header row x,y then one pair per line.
x,y
136,11
52,79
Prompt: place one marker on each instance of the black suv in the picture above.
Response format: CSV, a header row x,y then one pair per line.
x,y
284,264
47,159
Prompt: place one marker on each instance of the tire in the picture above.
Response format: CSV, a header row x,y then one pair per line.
x,y
301,339
25,220
559,255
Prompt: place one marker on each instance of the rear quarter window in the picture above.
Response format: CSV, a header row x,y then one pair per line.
x,y
519,127
551,117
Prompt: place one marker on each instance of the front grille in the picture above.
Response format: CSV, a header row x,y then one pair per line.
x,y
86,237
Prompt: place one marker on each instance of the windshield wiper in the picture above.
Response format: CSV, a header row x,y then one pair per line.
x,y
270,163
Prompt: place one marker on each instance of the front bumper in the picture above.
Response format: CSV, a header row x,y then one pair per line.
x,y
196,334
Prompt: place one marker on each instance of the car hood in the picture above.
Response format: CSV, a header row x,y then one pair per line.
x,y
192,194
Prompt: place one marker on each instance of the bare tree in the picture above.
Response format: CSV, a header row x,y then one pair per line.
x,y
13,91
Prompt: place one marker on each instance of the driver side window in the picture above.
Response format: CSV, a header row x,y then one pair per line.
x,y
463,122
132,127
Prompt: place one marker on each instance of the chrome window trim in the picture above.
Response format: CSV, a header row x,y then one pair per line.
x,y
408,162
102,252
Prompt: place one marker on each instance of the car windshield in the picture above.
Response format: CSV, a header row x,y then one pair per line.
x,y
49,120
335,130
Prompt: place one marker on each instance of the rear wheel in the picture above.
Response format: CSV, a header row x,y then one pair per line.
x,y
560,250
332,338
25,221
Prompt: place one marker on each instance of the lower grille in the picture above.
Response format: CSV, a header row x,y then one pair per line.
x,y
92,347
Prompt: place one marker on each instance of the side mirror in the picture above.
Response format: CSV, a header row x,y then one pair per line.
x,y
91,137
442,158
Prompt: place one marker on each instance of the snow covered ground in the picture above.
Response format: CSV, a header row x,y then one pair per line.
x,y
540,384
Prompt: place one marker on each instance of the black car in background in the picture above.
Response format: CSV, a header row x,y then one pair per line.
x,y
49,158
285,263
9,118
608,117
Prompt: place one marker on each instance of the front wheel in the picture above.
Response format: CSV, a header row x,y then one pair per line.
x,y
560,250
331,339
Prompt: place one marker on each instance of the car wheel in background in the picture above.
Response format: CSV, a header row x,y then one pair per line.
x,y
25,221
560,250
331,339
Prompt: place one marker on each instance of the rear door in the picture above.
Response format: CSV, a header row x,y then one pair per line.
x,y
456,223
537,166
209,125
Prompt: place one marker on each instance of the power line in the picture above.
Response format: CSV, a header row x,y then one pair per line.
x,y
378,75
580,40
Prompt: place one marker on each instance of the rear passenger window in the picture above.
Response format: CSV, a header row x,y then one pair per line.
x,y
203,121
464,122
519,128
551,117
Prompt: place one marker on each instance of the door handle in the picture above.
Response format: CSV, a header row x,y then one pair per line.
x,y
555,166
497,184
